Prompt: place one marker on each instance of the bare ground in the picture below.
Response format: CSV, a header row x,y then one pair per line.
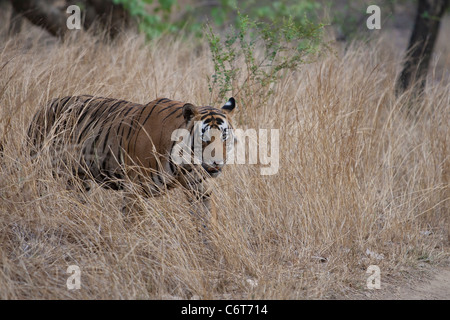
x,y
429,283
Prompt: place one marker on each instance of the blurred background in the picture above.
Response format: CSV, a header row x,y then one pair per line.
x,y
410,24
346,19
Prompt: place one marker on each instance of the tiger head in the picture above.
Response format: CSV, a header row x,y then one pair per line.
x,y
213,140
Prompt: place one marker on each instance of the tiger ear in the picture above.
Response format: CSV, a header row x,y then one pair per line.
x,y
189,111
229,106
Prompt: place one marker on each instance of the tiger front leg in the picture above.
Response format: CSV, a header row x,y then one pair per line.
x,y
133,207
205,213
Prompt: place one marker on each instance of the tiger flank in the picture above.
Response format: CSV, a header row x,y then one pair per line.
x,y
154,147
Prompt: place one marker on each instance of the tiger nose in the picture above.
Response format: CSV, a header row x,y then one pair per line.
x,y
218,164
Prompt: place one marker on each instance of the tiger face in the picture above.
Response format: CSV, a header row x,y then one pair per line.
x,y
213,137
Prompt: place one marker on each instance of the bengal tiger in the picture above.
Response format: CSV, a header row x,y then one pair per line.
x,y
119,141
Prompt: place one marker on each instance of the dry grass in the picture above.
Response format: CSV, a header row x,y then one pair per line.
x,y
356,173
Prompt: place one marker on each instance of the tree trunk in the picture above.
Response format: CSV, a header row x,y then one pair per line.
x,y
15,22
42,13
421,43
112,16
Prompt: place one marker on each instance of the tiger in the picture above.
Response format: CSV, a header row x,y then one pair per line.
x,y
120,141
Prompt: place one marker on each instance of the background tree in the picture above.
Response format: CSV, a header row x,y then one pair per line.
x,y
421,43
51,14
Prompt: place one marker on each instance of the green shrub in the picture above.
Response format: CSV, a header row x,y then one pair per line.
x,y
266,50
222,13
151,24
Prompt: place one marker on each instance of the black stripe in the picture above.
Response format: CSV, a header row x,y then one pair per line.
x,y
154,180
168,107
99,107
54,103
61,104
106,138
129,132
128,111
151,111
102,124
141,126
162,99
103,165
212,113
120,134
177,109
51,117
118,176
118,128
123,121
82,116
172,167
94,143
113,108
88,126
144,108
127,140
114,105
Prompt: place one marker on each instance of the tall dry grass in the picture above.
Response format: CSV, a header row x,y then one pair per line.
x,y
360,181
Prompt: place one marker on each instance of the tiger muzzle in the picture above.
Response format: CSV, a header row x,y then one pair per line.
x,y
213,170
